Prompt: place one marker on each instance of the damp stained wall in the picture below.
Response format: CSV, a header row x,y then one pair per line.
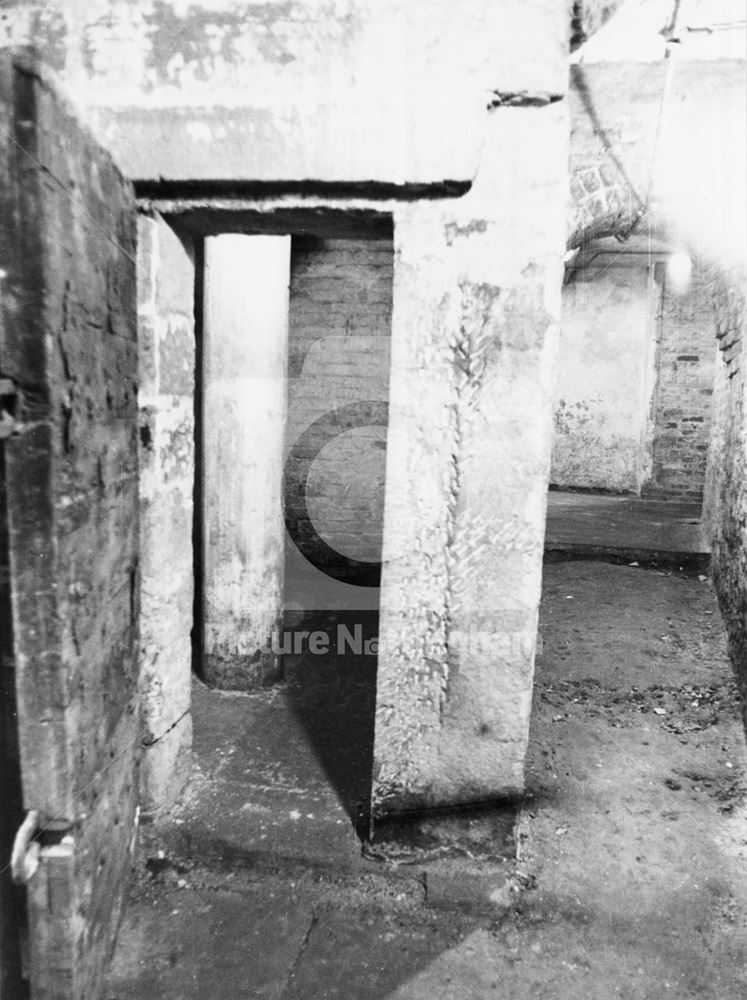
x,y
632,408
361,90
458,110
601,413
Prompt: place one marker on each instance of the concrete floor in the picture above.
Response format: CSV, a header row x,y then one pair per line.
x,y
285,775
627,527
624,872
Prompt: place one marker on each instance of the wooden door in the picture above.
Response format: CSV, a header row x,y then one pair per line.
x,y
68,528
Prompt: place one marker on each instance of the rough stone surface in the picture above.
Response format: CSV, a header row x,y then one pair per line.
x,y
68,342
166,443
726,497
476,305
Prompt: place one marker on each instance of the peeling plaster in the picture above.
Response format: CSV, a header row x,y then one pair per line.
x,y
206,41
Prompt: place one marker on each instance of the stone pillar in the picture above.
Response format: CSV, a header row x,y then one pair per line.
x,y
244,412
166,351
477,284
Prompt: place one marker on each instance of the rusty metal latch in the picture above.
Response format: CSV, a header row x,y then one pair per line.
x,y
24,860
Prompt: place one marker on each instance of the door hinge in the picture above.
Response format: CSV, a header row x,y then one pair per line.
x,y
24,860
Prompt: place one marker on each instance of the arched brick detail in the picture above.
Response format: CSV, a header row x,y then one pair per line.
x,y
602,203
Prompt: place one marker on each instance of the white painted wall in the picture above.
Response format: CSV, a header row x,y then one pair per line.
x,y
602,411
245,358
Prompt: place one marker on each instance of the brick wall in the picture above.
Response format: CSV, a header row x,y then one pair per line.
x,y
340,324
726,496
683,397
603,203
635,386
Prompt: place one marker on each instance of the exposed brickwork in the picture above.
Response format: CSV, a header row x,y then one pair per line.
x,y
684,391
726,494
166,438
662,154
602,203
608,159
339,341
728,307
68,341
635,386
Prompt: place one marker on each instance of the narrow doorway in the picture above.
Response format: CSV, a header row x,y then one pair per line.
x,y
300,730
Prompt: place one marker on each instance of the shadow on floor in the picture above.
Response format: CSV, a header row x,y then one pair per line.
x,y
331,690
632,875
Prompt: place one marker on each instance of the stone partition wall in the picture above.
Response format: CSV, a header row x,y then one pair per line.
x,y
166,283
725,508
476,307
